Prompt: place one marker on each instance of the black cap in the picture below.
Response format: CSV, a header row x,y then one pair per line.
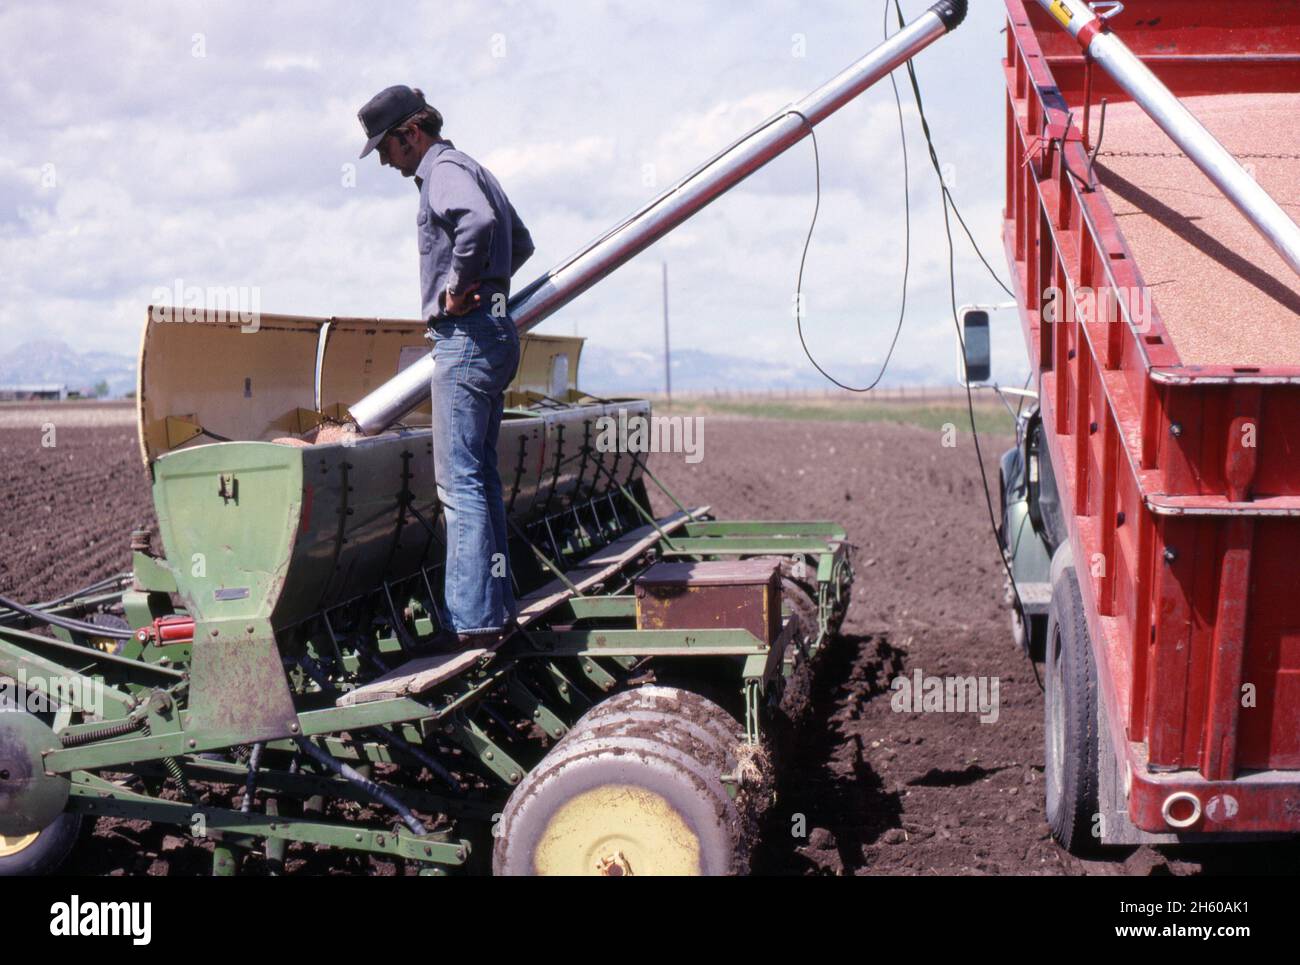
x,y
387,109
951,12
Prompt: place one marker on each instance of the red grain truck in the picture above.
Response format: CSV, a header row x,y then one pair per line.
x,y
1152,506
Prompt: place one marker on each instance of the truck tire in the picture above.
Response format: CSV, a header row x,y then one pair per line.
x,y
1070,732
42,853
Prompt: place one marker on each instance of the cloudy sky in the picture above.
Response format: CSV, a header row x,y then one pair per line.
x,y
214,144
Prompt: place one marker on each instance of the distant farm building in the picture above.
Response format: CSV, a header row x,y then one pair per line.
x,y
26,393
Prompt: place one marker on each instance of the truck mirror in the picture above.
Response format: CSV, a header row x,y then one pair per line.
x,y
976,362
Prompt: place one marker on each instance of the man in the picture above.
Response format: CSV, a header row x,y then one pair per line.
x,y
471,242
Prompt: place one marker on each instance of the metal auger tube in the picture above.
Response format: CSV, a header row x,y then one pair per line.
x,y
559,286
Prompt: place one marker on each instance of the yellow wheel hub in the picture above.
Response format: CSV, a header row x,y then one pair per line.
x,y
617,830
11,845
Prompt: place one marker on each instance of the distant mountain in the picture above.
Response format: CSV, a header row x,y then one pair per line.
x,y
605,371
52,360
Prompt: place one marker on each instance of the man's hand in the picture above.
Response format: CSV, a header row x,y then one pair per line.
x,y
461,304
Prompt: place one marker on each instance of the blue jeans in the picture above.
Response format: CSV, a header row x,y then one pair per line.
x,y
475,358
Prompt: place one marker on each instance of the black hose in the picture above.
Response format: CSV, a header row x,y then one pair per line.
x,y
86,590
90,588
250,785
350,775
67,623
420,754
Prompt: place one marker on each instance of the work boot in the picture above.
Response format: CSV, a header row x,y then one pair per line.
x,y
444,641
489,641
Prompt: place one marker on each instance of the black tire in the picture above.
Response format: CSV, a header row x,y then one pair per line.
x,y
1037,637
607,804
1029,638
1070,768
46,853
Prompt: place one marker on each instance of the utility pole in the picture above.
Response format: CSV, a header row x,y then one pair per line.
x,y
668,363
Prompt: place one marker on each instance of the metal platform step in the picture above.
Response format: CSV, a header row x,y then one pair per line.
x,y
414,677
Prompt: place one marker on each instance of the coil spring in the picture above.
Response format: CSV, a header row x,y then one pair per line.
x,y
120,729
173,768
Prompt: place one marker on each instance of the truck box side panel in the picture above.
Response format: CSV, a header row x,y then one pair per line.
x,y
1181,475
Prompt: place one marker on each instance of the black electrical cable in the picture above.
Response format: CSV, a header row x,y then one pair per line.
x,y
934,160
907,245
938,168
952,291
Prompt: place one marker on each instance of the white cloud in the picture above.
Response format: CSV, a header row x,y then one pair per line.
x,y
288,61
232,168
543,165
